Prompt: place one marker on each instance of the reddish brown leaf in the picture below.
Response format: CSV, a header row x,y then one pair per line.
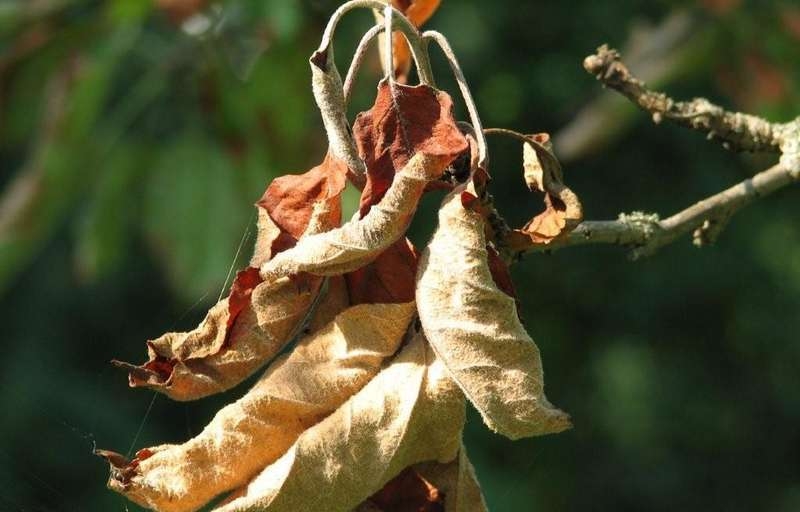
x,y
548,225
290,200
388,279
241,290
409,492
500,273
403,121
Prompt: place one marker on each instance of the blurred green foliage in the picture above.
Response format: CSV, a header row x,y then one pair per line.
x,y
132,147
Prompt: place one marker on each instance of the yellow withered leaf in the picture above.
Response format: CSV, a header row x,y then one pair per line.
x,y
563,210
296,392
409,413
474,328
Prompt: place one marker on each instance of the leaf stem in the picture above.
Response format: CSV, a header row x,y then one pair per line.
x,y
358,59
475,119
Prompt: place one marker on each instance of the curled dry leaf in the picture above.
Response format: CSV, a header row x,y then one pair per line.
x,y
215,357
360,241
474,328
409,128
326,84
402,122
296,205
409,413
297,391
563,211
241,332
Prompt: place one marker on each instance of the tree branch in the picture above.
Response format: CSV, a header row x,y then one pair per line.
x,y
737,131
646,233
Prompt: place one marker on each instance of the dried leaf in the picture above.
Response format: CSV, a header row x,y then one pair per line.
x,y
563,211
326,84
360,241
501,275
409,413
388,279
408,492
242,332
213,358
473,327
297,391
288,206
404,121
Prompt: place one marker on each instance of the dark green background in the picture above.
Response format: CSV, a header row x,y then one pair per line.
x,y
680,371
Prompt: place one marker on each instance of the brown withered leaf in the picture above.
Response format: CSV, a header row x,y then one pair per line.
x,y
404,121
288,206
388,279
563,211
474,328
457,482
501,275
297,391
408,492
407,140
360,241
241,332
409,413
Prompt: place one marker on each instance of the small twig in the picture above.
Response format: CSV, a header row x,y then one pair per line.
x,y
658,53
646,233
737,131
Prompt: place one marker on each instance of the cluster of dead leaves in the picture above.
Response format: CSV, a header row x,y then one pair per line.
x,y
367,410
